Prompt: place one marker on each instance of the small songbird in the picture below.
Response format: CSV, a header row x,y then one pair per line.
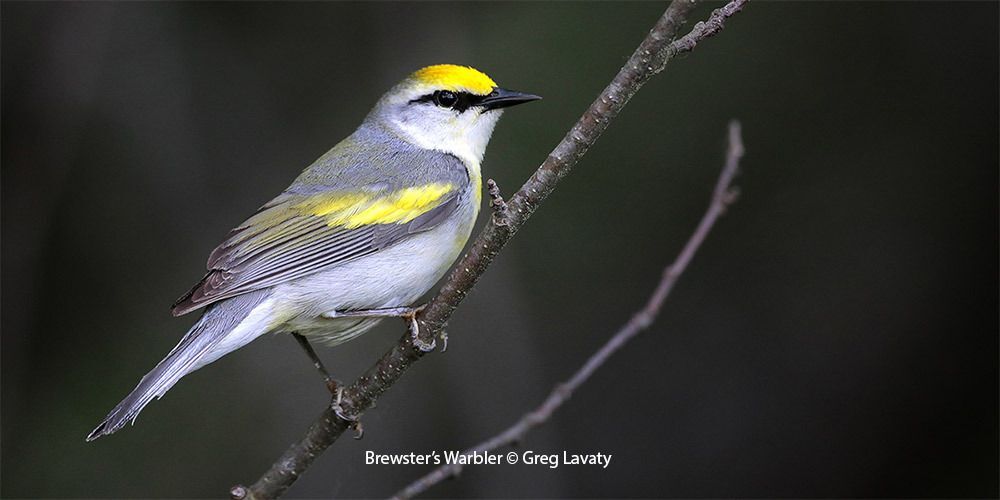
x,y
360,235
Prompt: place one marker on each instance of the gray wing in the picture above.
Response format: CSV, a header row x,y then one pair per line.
x,y
279,243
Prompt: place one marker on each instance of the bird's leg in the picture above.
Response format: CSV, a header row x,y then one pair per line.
x,y
411,318
388,312
409,314
335,387
332,384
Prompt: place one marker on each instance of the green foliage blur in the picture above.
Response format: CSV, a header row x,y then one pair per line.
x,y
836,336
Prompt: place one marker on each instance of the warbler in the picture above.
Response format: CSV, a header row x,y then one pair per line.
x,y
359,235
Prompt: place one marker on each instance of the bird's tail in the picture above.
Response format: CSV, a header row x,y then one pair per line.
x,y
225,327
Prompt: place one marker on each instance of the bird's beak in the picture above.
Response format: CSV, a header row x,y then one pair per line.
x,y
503,98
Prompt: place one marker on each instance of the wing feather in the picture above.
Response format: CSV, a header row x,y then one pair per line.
x,y
338,209
281,243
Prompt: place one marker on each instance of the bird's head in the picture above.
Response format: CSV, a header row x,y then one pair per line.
x,y
448,108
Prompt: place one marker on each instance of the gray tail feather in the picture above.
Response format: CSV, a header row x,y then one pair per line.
x,y
192,352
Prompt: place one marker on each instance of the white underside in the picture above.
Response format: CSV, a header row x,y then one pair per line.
x,y
393,277
396,276
254,325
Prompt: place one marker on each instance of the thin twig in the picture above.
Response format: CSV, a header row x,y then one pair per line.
x,y
722,197
651,57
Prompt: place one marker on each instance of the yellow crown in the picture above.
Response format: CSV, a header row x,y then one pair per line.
x,y
455,78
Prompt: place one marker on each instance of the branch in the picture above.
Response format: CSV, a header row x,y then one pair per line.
x,y
722,197
650,58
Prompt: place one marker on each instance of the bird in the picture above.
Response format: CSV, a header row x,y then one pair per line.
x,y
361,234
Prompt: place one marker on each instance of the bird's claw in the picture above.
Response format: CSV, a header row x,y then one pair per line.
x,y
335,387
339,410
418,342
444,340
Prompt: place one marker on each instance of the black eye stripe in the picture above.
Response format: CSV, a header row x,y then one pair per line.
x,y
464,101
445,99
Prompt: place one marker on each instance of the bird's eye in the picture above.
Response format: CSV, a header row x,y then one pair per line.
x,y
445,98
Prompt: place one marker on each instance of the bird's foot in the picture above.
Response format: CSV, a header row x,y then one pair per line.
x,y
414,325
359,430
409,315
444,340
335,386
353,421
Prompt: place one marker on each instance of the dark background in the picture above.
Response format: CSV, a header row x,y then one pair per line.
x,y
836,336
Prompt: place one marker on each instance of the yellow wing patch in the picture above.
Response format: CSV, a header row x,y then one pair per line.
x,y
353,210
456,78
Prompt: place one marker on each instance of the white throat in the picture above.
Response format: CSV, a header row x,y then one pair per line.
x,y
464,137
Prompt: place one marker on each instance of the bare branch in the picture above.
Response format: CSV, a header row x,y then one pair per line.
x,y
651,57
722,197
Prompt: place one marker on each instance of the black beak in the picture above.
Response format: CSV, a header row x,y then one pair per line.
x,y
503,98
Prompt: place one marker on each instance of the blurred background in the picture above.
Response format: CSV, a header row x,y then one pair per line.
x,y
836,336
